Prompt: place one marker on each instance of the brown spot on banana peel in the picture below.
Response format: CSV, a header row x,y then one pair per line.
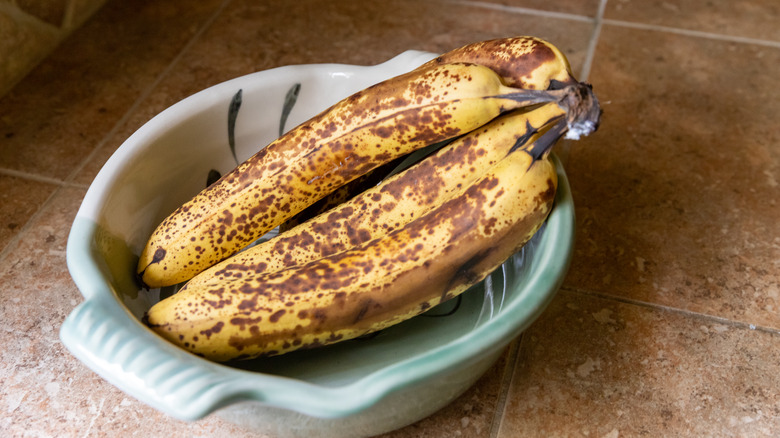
x,y
268,210
367,111
342,194
324,316
413,289
522,62
213,330
416,190
465,264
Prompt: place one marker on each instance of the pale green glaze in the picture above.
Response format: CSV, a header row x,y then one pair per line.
x,y
356,388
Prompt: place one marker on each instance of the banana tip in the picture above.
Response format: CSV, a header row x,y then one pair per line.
x,y
139,280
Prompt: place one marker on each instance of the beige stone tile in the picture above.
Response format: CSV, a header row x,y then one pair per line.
x,y
62,110
45,391
750,18
143,113
19,200
596,367
252,36
676,195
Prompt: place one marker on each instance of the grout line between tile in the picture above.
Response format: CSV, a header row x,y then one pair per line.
x,y
68,181
146,92
675,310
593,43
40,178
14,241
600,21
506,383
692,33
522,10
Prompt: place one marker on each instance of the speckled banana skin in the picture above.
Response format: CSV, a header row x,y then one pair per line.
x,y
393,203
343,193
361,132
380,283
522,62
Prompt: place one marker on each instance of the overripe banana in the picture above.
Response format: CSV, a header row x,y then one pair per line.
x,y
392,204
372,286
522,62
535,64
343,194
358,134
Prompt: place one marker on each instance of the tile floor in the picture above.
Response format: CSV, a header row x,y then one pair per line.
x,y
668,323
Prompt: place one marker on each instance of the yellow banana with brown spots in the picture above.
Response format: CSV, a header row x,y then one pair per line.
x,y
356,135
375,285
393,203
522,62
344,193
532,63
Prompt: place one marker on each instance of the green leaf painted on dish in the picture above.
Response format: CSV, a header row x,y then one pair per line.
x,y
235,105
289,102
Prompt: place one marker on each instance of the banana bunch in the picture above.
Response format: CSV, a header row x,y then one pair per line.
x,y
392,251
527,62
358,134
390,205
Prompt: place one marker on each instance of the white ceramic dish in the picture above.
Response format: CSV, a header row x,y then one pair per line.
x,y
357,388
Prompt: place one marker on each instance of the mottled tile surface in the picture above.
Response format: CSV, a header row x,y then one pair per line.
x,y
596,367
61,112
20,199
750,19
677,195
667,324
45,391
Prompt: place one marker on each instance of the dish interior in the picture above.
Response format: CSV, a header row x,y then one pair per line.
x,y
169,160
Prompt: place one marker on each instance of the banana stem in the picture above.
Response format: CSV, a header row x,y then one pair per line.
x,y
544,144
533,97
583,112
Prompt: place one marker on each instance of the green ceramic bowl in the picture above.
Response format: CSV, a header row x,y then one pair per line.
x,y
357,388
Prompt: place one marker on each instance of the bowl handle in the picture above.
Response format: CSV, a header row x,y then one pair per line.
x,y
114,347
